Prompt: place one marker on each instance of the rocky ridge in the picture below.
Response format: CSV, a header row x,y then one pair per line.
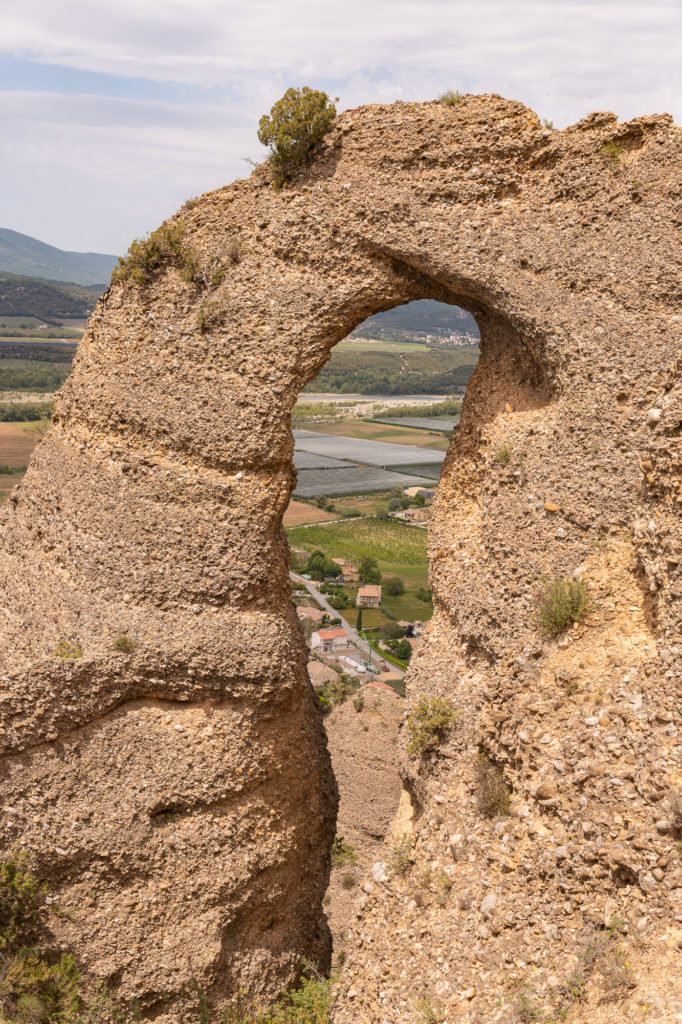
x,y
153,509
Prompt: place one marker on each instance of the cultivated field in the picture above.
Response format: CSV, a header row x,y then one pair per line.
x,y
300,512
372,453
430,423
387,540
357,480
393,431
16,444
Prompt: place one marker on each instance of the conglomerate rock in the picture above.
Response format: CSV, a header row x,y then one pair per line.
x,y
178,796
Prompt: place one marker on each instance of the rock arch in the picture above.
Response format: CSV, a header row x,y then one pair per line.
x,y
179,796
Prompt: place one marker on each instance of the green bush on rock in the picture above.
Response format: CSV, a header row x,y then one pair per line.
x,y
560,603
295,123
427,723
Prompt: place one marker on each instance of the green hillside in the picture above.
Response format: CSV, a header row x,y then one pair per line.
x,y
416,319
46,300
395,370
23,255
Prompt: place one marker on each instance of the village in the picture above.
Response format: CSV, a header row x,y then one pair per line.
x,y
346,609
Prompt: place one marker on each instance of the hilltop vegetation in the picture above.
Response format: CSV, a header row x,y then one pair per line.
x,y
49,301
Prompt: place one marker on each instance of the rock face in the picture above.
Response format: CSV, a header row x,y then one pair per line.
x,y
179,796
363,743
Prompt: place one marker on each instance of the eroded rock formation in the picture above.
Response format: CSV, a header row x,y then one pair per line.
x,y
179,796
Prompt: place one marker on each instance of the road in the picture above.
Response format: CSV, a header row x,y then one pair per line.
x,y
352,633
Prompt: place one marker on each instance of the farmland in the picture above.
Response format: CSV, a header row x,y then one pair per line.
x,y
388,540
432,424
336,464
17,441
354,480
400,550
395,431
299,512
395,369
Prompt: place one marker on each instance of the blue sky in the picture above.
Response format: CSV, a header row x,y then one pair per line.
x,y
114,113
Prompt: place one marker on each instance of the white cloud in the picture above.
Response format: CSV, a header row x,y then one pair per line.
x,y
233,59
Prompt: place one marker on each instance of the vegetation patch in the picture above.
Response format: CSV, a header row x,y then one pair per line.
x,y
48,301
492,792
418,370
33,378
33,986
388,540
66,650
562,602
124,644
451,97
612,150
294,125
25,412
335,692
209,315
401,849
42,986
427,723
344,853
147,255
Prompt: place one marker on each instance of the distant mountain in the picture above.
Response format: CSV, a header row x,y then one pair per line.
x,y
48,300
425,316
21,254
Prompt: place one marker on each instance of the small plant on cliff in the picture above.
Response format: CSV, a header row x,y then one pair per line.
x,y
146,255
124,644
234,251
504,456
343,853
451,97
492,792
210,314
560,603
294,125
310,1003
21,897
335,692
401,848
612,151
427,723
66,650
431,1010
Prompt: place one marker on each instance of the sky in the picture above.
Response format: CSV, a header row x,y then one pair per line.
x,y
113,114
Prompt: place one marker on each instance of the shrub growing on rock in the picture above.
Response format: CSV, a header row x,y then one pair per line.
x,y
33,987
124,644
294,125
492,792
343,853
209,315
146,255
428,721
560,603
66,650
